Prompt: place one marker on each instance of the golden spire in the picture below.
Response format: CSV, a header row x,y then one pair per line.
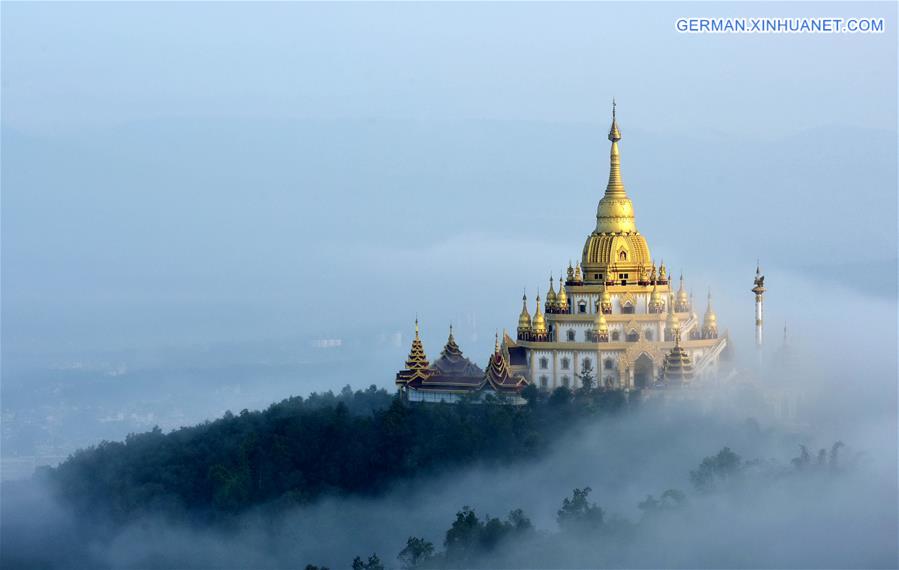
x,y
550,295
682,300
615,212
539,323
562,296
524,319
578,275
672,323
615,184
496,343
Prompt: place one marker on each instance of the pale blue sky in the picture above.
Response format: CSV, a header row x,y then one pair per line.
x,y
177,173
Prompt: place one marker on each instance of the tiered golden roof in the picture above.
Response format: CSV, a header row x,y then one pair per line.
x,y
678,366
416,363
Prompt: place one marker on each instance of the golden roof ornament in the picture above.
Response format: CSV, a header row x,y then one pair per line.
x,y
710,320
671,323
524,319
578,276
663,271
550,296
570,272
538,325
562,297
599,323
678,366
416,362
615,213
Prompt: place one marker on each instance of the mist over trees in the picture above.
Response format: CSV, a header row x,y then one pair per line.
x,y
362,479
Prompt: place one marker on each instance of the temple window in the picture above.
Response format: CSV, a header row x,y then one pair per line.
x,y
616,336
570,335
622,256
648,335
565,381
544,381
544,362
582,307
586,364
627,309
608,364
565,364
588,336
633,336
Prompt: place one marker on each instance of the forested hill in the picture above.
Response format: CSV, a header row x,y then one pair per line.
x,y
299,449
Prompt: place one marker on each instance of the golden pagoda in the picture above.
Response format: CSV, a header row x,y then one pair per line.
x,y
623,316
614,311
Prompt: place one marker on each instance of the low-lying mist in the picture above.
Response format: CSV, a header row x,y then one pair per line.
x,y
778,511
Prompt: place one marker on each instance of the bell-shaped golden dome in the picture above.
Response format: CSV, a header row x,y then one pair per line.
x,y
671,323
562,297
683,301
524,319
550,296
710,321
538,325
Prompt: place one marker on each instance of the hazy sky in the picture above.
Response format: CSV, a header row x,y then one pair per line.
x,y
178,173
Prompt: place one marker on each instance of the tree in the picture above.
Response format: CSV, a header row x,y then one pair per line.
x,y
373,563
561,396
417,552
586,375
670,500
578,514
716,468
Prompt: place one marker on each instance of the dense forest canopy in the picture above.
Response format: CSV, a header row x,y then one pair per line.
x,y
302,448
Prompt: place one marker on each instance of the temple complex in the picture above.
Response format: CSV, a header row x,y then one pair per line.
x,y
615,320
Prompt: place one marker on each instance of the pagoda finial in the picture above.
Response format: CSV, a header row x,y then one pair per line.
x,y
496,343
416,325
614,133
615,186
